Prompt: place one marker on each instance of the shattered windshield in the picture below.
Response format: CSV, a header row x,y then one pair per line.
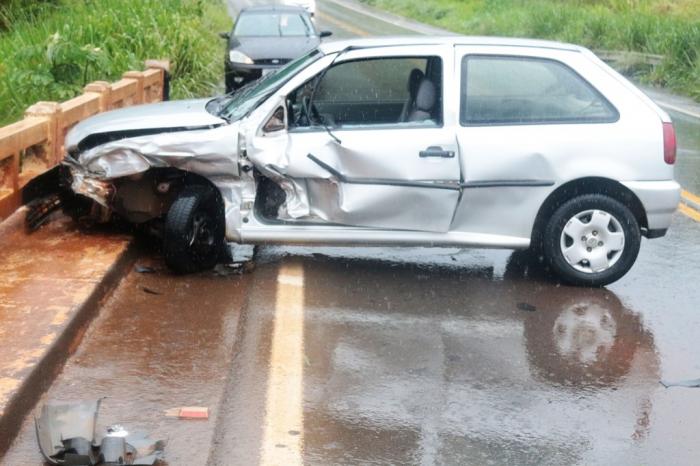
x,y
237,105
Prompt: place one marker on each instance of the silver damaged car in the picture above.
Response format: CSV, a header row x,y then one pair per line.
x,y
459,141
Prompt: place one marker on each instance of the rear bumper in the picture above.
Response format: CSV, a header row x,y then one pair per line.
x,y
660,200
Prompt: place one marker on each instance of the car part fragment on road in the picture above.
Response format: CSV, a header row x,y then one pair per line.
x,y
526,307
40,210
683,383
144,269
66,435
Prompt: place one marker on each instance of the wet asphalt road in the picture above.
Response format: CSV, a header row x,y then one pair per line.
x,y
392,356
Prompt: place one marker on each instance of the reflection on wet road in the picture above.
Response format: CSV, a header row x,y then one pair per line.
x,y
441,356
461,368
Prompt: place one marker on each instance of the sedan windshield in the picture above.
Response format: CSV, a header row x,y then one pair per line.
x,y
273,24
237,105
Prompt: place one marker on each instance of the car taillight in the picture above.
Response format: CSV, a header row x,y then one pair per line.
x,y
669,144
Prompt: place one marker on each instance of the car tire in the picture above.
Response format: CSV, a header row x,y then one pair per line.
x,y
592,240
193,236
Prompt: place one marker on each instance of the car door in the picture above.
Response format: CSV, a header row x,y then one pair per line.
x,y
387,157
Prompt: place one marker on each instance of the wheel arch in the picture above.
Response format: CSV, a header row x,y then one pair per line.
x,y
150,202
582,186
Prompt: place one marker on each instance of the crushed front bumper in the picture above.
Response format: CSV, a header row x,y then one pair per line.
x,y
100,191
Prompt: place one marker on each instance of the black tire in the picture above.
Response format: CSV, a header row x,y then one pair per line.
x,y
193,237
553,237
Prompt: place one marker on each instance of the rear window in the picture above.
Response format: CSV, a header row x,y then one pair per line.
x,y
519,90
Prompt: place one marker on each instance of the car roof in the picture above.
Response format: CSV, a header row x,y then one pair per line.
x,y
274,9
336,46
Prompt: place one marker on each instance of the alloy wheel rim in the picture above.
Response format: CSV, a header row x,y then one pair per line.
x,y
592,241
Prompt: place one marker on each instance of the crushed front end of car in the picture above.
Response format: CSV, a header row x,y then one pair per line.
x,y
169,170
134,162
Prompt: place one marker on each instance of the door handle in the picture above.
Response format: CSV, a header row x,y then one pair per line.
x,y
437,151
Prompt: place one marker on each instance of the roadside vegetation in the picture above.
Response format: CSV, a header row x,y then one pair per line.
x,y
50,49
664,27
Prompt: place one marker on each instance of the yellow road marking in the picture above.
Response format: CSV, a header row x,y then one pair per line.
x,y
687,195
343,25
284,418
689,211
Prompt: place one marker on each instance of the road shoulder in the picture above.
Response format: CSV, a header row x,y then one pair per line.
x,y
52,283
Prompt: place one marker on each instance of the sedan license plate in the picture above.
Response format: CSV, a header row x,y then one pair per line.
x,y
266,71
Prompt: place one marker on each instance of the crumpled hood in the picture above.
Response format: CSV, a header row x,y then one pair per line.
x,y
208,152
138,120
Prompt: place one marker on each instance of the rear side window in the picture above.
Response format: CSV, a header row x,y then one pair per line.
x,y
519,90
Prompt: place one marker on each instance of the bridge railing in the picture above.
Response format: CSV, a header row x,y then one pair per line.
x,y
35,144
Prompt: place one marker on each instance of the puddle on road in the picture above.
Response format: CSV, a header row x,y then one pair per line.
x,y
425,356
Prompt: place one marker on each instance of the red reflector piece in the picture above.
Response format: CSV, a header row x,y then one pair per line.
x,y
188,412
193,412
669,144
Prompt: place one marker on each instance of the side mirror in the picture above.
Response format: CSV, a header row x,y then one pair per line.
x,y
275,122
325,34
225,35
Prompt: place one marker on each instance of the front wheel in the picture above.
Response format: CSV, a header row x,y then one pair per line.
x,y
194,230
592,240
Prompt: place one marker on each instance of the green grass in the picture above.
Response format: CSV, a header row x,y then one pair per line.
x,y
50,51
665,27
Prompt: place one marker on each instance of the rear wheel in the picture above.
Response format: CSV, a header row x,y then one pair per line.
x,y
193,237
592,240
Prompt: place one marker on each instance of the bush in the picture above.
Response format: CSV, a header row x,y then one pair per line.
x,y
664,27
55,48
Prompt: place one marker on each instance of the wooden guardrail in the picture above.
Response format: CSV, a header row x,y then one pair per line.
x,y
35,144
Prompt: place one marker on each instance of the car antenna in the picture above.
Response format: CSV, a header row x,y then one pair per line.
x,y
313,94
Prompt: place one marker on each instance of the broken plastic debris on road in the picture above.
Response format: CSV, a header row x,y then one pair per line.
x,y
66,436
695,383
188,412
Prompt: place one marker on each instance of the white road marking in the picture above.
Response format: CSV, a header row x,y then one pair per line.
x,y
284,419
677,109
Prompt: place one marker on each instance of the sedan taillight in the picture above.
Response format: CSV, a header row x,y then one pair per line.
x,y
669,144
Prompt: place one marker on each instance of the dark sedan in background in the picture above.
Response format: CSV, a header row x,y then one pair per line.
x,y
265,38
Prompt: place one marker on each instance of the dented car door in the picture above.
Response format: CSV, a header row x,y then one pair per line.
x,y
370,144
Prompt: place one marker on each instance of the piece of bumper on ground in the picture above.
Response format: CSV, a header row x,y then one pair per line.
x,y
660,200
65,432
66,436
